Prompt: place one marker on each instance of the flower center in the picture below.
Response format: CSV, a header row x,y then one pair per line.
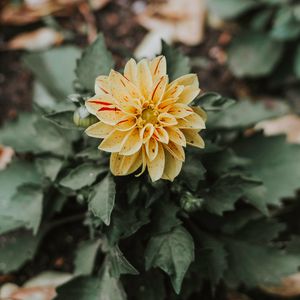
x,y
149,115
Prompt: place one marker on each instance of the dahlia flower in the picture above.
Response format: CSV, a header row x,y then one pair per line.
x,y
145,121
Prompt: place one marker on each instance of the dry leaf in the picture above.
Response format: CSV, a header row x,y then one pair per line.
x,y
289,125
32,10
39,39
174,21
6,155
41,287
290,287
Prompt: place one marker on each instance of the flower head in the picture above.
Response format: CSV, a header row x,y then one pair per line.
x,y
144,120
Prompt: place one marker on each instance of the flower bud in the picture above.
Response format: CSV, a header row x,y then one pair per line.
x,y
82,118
190,203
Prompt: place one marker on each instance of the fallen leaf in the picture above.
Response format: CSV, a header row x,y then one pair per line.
x,y
42,287
173,21
6,155
32,10
288,125
289,287
39,39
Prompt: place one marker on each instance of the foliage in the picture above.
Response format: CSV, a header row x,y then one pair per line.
x,y
221,222
269,37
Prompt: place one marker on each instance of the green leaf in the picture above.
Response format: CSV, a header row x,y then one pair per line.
x,y
214,102
119,264
81,176
25,208
85,257
62,119
271,159
245,114
41,136
173,252
248,52
227,191
47,67
211,258
96,60
297,62
177,63
49,166
11,258
102,199
231,8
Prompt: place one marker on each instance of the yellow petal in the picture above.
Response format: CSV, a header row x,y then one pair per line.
x,y
114,141
176,150
193,138
144,162
187,80
199,111
130,71
176,136
99,130
172,167
179,110
122,88
188,94
97,102
157,165
144,78
159,90
151,148
102,86
126,124
147,132
161,135
193,121
158,67
166,119
174,90
132,144
121,165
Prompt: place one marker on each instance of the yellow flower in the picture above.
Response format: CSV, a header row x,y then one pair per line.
x,y
145,121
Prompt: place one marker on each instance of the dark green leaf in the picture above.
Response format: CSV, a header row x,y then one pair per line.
x,y
102,199
214,102
172,252
96,60
177,63
62,119
49,166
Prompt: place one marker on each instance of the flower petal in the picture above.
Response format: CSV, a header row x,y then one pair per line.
x,y
193,138
176,150
114,141
179,110
172,167
151,148
121,165
102,86
187,80
147,132
166,119
158,67
157,165
189,94
161,135
126,124
199,111
130,71
132,144
99,130
144,78
97,102
174,90
176,136
193,121
159,90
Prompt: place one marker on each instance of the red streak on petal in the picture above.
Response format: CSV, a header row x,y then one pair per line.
x,y
122,121
123,83
109,109
105,91
156,68
154,91
100,102
155,136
